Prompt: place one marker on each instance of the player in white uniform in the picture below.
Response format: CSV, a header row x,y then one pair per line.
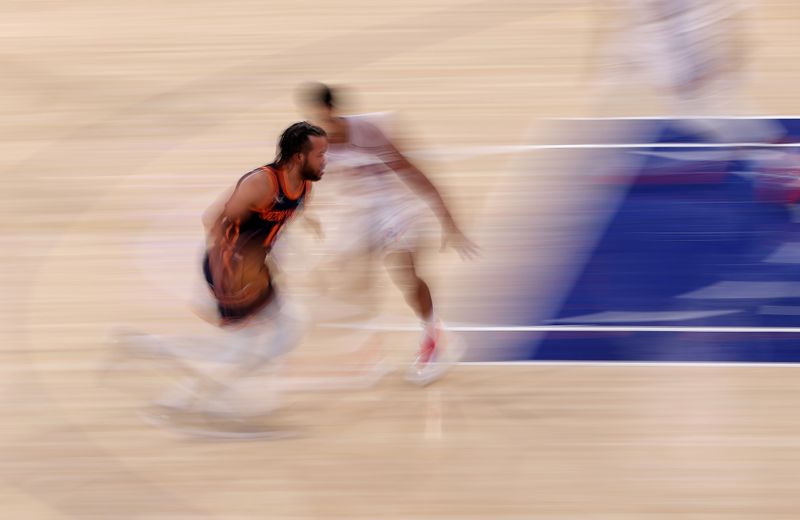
x,y
380,195
692,51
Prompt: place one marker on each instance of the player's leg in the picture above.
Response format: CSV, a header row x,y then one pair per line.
x,y
402,268
431,361
248,356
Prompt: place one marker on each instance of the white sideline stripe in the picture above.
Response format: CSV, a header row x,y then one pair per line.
x,y
639,145
72,366
630,363
666,118
477,151
567,328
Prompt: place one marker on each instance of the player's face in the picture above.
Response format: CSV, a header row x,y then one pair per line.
x,y
320,113
314,160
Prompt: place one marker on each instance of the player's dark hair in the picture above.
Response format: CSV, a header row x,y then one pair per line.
x,y
296,139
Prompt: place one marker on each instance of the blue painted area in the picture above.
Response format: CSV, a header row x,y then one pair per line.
x,y
685,225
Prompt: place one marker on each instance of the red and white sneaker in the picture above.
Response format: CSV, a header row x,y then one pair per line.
x,y
437,354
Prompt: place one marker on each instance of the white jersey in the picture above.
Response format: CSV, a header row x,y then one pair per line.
x,y
359,167
678,41
367,200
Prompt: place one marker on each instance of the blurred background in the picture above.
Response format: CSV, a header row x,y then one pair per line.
x,y
628,169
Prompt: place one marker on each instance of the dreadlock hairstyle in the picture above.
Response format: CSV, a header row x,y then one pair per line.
x,y
296,139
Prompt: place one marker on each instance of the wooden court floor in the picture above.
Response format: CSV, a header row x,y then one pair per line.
x,y
122,120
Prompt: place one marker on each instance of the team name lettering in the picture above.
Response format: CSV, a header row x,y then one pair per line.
x,y
277,215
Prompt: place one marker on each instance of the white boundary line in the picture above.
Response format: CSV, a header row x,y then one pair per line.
x,y
524,147
529,363
594,328
665,118
461,152
568,328
97,368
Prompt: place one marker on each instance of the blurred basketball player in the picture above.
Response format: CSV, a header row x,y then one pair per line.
x,y
384,218
241,232
691,51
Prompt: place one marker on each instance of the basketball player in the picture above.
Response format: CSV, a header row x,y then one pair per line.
x,y
692,51
386,218
240,235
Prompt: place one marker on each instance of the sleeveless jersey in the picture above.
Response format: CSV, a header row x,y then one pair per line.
x,y
232,272
266,221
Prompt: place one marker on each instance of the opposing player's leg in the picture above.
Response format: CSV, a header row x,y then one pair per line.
x,y
437,353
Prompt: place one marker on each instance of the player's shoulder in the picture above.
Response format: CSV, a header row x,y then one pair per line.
x,y
373,126
258,183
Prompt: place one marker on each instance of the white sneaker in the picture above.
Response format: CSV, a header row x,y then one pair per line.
x,y
438,353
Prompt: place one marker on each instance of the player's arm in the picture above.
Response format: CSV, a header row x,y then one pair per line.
x,y
250,195
422,185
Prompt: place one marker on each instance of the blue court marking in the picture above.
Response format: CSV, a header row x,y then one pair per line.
x,y
705,242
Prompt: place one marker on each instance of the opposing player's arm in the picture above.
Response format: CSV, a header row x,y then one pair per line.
x,y
422,185
413,177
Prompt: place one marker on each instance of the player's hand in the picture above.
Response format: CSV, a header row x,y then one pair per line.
x,y
455,238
